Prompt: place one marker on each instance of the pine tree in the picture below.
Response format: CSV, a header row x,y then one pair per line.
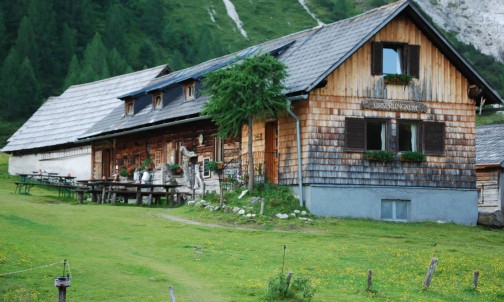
x,y
116,29
8,80
26,45
117,64
73,73
29,96
94,65
3,37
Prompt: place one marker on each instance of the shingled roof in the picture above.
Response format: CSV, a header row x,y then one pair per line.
x,y
310,56
62,120
490,145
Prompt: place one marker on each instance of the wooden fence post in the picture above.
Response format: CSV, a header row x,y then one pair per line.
x,y
430,272
172,293
289,276
62,283
475,279
369,279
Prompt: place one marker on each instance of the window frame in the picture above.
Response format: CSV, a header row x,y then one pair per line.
x,y
355,141
129,107
410,57
419,134
190,91
394,203
157,101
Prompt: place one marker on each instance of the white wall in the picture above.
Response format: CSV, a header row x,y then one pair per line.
x,y
76,161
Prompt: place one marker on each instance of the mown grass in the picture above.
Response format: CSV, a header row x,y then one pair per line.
x,y
133,253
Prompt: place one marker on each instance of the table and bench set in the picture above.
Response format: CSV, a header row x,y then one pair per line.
x,y
102,191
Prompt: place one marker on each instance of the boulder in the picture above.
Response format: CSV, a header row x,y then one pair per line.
x,y
494,220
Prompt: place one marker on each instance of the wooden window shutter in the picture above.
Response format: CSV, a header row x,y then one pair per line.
x,y
355,134
413,64
433,138
376,58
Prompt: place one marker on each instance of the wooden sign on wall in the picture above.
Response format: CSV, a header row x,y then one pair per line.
x,y
392,105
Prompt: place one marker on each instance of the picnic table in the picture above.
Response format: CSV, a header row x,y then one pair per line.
x,y
65,184
107,191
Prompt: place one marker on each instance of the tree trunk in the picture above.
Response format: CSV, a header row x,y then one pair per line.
x,y
250,156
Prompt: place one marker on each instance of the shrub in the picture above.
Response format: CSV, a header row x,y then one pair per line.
x,y
301,289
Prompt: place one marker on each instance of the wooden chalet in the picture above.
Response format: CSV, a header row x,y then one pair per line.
x,y
381,122
384,83
490,167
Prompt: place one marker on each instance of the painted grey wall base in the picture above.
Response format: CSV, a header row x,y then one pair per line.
x,y
425,204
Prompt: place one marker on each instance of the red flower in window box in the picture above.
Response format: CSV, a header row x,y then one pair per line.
x,y
397,79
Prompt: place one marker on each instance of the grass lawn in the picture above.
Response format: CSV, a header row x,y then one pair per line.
x,y
130,253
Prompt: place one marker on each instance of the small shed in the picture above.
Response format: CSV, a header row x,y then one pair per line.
x,y
490,167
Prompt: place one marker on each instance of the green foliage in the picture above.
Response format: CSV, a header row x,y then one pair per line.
x,y
300,289
250,88
213,165
397,79
413,156
174,167
380,155
488,119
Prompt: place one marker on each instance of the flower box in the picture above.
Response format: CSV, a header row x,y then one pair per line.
x,y
396,79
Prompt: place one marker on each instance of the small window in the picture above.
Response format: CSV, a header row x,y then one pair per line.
x,y
190,91
365,134
395,209
395,58
408,133
433,138
129,108
157,101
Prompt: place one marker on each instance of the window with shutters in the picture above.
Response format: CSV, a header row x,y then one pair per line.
x,y
365,134
395,58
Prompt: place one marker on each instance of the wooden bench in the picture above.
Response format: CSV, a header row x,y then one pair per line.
x,y
65,189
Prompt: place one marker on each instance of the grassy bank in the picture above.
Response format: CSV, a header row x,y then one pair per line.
x,y
129,253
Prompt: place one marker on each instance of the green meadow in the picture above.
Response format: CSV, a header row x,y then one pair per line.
x,y
131,253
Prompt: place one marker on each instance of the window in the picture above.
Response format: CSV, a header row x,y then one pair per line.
x,y
129,108
157,101
407,135
395,58
190,91
395,209
365,134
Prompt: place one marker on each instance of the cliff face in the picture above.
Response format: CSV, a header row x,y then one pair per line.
x,y
477,22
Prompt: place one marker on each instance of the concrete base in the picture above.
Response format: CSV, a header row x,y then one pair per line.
x,y
424,204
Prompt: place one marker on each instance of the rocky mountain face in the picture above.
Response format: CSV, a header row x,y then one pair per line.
x,y
477,22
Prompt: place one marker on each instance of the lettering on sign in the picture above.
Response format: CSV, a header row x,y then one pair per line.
x,y
390,105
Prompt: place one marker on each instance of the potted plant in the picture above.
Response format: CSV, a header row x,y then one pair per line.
x,y
176,169
148,164
397,79
214,166
412,156
379,155
123,172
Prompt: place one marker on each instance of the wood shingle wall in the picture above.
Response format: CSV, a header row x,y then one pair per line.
x,y
440,86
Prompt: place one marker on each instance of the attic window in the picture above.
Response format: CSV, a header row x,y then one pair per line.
x,y
129,107
190,91
157,101
395,58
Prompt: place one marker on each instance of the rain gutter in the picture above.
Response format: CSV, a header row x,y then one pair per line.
x,y
298,143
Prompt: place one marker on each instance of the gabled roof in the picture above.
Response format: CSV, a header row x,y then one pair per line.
x,y
310,56
63,119
490,145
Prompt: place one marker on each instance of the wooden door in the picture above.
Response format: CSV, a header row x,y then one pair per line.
x,y
106,163
271,152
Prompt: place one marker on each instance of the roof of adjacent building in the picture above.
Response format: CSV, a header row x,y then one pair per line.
x,y
490,145
63,119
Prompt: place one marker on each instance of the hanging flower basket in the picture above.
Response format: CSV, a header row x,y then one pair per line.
x,y
397,79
